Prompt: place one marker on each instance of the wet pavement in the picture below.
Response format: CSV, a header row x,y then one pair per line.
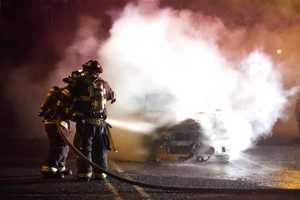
x,y
253,176
263,166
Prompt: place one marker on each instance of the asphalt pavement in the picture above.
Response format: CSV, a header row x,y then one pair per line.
x,y
268,171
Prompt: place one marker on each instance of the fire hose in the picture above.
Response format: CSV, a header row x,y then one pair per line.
x,y
63,131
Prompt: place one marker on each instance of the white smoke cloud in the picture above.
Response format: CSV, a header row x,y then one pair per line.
x,y
86,42
165,66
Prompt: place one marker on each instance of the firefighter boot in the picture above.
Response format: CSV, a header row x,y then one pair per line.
x,y
63,171
49,172
85,176
100,176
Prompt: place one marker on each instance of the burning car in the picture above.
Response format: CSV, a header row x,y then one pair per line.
x,y
181,142
187,140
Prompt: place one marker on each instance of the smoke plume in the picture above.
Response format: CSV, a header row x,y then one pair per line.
x,y
166,66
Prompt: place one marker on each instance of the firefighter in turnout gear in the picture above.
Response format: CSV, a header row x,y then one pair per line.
x,y
55,111
90,94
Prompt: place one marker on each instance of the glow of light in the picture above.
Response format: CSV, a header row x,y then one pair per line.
x,y
279,51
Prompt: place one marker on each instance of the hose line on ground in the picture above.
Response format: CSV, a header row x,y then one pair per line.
x,y
63,131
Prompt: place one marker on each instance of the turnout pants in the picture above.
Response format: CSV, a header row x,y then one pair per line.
x,y
90,139
58,150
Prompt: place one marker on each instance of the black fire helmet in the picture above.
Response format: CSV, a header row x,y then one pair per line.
x,y
92,66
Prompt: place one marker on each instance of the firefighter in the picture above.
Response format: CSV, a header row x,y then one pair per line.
x,y
55,111
92,137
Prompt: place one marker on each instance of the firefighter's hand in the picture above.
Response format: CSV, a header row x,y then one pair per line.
x,y
113,100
